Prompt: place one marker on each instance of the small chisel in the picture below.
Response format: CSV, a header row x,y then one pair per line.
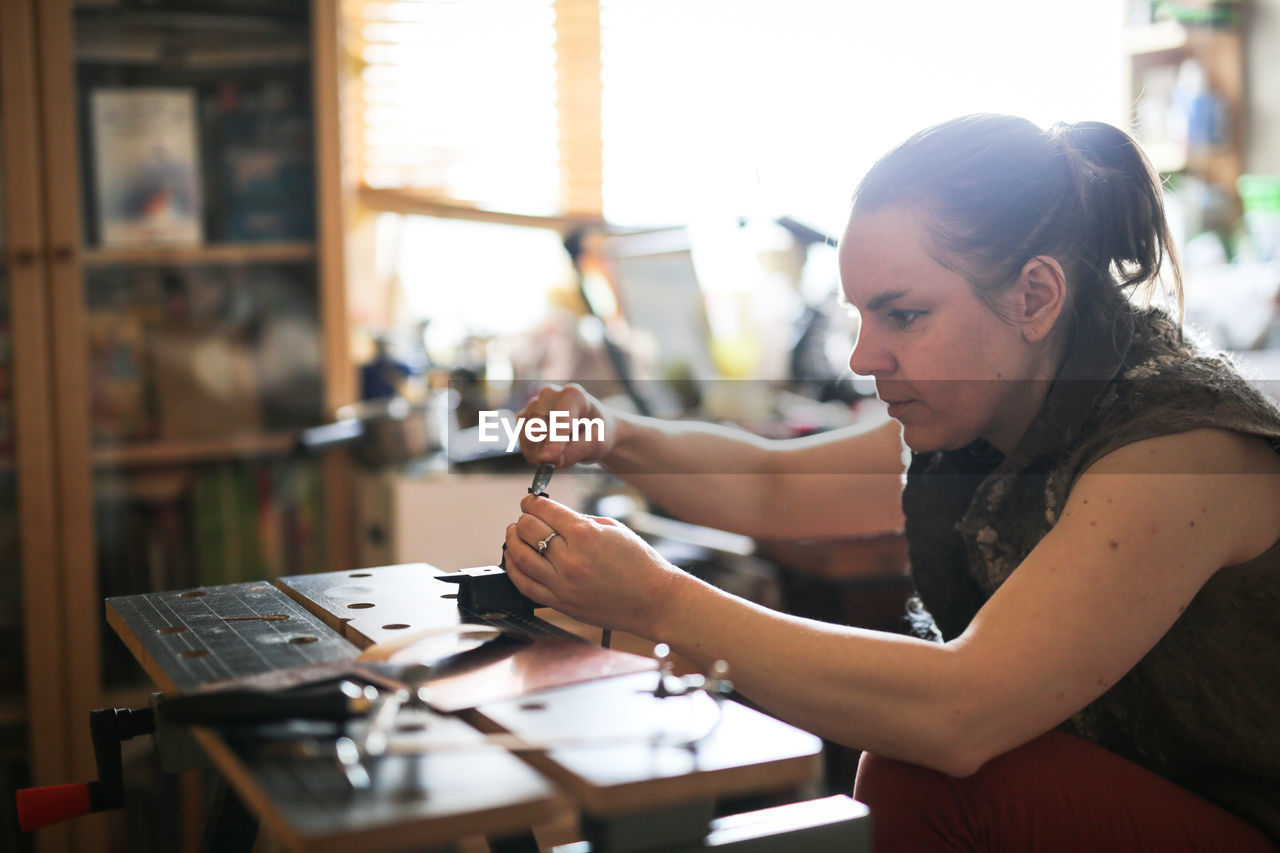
x,y
541,478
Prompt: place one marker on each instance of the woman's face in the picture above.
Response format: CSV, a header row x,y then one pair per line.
x,y
950,369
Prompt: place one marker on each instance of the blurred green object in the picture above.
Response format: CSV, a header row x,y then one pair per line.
x,y
1217,13
1261,197
1259,192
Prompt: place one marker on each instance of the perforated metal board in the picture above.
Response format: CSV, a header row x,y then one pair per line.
x,y
370,606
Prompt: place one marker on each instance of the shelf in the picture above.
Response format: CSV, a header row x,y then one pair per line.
x,y
181,451
1164,37
224,253
121,51
211,38
427,203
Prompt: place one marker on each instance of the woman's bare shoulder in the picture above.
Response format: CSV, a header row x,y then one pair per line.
x,y
1197,451
1231,479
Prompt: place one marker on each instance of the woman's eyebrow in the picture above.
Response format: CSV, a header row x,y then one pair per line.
x,y
880,300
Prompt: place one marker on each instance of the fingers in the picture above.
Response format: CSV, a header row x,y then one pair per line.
x,y
556,516
550,398
533,530
528,570
575,404
530,588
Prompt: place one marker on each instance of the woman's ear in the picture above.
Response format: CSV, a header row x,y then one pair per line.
x,y
1040,295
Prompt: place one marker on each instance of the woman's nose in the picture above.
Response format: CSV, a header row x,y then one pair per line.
x,y
870,358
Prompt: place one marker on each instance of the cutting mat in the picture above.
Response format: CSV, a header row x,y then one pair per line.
x,y
195,637
187,639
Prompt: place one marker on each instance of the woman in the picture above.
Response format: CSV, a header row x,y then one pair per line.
x,y
1092,512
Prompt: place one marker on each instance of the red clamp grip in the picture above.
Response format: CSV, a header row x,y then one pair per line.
x,y
39,807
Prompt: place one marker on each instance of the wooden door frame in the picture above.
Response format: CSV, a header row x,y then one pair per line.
x,y
332,209
44,642
82,610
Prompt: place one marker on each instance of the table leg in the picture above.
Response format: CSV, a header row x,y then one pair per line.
x,y
521,843
229,826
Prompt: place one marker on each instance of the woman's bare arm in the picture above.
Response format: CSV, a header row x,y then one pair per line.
x,y
844,483
1133,547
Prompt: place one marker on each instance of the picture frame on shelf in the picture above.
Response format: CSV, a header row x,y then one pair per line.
x,y
146,163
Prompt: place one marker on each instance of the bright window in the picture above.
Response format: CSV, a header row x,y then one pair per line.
x,y
726,107
708,109
459,98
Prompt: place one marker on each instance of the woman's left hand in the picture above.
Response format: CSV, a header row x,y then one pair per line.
x,y
591,568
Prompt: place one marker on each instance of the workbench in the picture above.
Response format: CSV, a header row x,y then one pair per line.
x,y
547,731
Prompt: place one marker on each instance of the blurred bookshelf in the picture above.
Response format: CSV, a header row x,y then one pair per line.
x,y
187,271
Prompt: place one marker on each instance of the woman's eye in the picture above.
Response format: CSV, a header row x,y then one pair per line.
x,y
904,318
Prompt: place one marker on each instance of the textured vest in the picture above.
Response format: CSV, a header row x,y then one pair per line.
x,y
1202,708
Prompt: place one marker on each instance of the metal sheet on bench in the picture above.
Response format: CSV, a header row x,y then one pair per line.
x,y
387,603
748,752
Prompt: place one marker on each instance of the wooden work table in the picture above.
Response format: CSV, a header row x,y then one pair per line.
x,y
609,753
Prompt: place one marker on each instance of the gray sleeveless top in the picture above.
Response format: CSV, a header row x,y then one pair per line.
x,y
1202,708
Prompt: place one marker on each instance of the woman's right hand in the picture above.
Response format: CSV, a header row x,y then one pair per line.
x,y
591,445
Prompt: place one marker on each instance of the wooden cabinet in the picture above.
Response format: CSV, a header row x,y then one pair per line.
x,y
171,314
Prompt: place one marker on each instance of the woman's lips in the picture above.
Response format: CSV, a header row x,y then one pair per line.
x,y
896,407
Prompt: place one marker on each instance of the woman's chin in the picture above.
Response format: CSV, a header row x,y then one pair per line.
x,y
931,438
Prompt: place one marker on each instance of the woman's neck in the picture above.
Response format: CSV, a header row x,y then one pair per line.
x,y
1028,400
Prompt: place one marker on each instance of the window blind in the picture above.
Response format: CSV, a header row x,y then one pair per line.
x,y
459,98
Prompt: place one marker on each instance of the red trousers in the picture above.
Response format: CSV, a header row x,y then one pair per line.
x,y
1056,793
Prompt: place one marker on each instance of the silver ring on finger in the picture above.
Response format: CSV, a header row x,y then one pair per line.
x,y
544,543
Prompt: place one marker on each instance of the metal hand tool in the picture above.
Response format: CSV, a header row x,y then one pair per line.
x,y
541,479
